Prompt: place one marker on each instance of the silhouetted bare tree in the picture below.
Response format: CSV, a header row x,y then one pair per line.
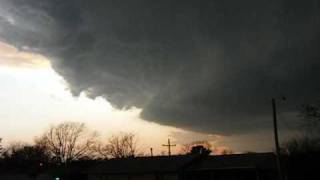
x,y
1,148
302,145
194,147
310,114
121,145
226,152
199,149
13,147
309,141
68,141
25,156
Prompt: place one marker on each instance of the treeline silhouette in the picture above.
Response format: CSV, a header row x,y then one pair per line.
x,y
301,154
62,144
72,143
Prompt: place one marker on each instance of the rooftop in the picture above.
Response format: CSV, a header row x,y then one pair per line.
x,y
184,162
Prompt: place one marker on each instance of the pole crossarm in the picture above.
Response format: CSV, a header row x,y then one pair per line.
x,y
169,145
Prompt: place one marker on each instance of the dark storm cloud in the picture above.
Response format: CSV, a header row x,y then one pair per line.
x,y
210,65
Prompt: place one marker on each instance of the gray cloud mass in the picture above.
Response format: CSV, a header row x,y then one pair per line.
x,y
209,65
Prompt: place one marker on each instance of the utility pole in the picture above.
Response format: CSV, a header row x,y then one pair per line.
x,y
276,136
169,145
275,126
151,152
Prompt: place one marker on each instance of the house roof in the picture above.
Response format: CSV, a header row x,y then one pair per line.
x,y
142,164
184,162
235,161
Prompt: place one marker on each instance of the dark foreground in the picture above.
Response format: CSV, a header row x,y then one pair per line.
x,y
254,166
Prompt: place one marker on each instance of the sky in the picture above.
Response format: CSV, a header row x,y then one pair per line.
x,y
34,97
180,69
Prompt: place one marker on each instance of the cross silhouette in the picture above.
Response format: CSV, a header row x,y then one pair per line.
x,y
169,145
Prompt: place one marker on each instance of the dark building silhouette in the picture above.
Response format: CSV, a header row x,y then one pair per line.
x,y
260,166
257,166
201,166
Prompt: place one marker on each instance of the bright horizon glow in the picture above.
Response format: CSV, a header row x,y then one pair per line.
x,y
42,99
33,97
